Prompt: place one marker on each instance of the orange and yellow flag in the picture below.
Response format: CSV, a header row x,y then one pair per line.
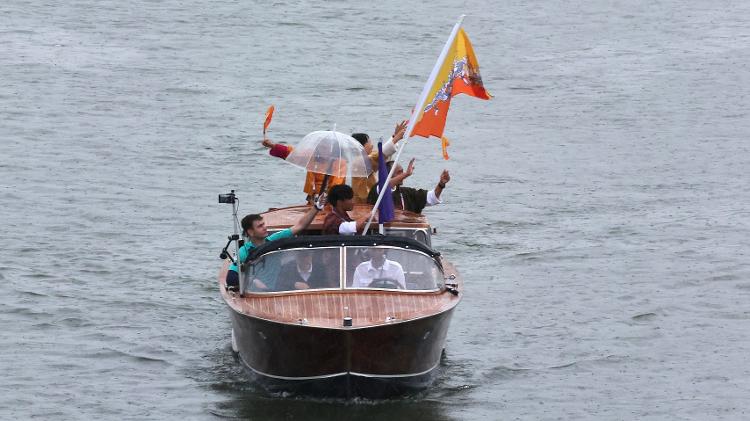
x,y
458,74
269,116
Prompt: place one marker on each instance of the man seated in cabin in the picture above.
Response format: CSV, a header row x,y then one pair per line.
x,y
407,198
298,273
379,272
341,198
304,272
255,232
330,269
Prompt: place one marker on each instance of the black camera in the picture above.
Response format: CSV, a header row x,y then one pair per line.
x,y
227,197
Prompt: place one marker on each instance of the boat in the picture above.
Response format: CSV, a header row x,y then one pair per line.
x,y
344,331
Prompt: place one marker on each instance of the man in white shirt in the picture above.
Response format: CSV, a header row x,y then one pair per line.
x,y
379,272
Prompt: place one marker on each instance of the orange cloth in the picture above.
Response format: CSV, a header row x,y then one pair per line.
x,y
314,181
362,185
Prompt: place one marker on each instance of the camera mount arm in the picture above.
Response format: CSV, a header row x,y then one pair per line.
x,y
224,252
231,198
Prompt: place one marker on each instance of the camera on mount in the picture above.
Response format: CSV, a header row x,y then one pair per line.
x,y
228,197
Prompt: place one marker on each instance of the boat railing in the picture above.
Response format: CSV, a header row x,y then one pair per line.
x,y
422,235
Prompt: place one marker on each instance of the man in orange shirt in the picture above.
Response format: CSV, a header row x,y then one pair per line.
x,y
313,180
360,185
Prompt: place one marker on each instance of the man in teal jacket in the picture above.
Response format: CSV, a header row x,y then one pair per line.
x,y
256,233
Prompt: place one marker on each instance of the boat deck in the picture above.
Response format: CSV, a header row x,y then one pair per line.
x,y
280,218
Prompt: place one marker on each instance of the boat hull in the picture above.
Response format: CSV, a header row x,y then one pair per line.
x,y
375,361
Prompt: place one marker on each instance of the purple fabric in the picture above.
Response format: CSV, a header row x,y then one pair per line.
x,y
385,210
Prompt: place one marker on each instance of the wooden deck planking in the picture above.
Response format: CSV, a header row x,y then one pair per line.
x,y
326,309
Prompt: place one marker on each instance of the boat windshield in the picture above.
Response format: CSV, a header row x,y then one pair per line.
x,y
295,269
368,267
391,268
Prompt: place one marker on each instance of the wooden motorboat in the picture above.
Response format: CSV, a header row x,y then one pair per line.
x,y
343,316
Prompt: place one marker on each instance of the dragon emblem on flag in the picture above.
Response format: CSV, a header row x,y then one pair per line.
x,y
461,70
456,72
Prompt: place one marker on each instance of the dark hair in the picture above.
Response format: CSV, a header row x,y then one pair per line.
x,y
247,221
339,192
361,138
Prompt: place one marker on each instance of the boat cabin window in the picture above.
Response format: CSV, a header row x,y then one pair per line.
x,y
391,268
295,269
421,235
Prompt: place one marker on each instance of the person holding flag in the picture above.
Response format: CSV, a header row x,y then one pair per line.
x,y
455,72
386,212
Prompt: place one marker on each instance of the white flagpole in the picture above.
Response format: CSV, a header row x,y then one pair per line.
x,y
414,115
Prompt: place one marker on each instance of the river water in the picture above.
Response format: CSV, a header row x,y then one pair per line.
x,y
598,208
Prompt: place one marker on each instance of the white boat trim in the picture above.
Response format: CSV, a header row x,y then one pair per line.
x,y
344,373
394,376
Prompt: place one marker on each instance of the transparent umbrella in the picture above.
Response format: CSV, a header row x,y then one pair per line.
x,y
332,153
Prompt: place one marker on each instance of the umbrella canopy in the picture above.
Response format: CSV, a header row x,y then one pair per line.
x,y
332,153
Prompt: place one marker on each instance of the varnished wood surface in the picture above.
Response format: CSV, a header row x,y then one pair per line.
x,y
294,351
286,217
327,308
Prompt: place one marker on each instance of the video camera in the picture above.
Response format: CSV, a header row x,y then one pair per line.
x,y
228,197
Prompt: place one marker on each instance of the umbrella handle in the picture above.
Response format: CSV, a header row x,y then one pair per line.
x,y
324,186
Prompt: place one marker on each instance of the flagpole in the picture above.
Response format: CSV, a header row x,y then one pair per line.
x,y
414,115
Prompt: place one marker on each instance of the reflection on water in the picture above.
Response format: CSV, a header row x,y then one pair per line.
x,y
248,401
251,406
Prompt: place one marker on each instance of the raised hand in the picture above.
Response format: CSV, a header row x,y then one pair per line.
x,y
320,202
398,133
410,168
445,177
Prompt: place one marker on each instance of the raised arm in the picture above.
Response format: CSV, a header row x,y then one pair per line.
x,y
353,227
389,147
445,177
398,132
279,150
397,179
268,143
307,218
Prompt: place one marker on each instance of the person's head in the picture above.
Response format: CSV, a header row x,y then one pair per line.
x,y
341,197
304,259
254,226
377,257
364,140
